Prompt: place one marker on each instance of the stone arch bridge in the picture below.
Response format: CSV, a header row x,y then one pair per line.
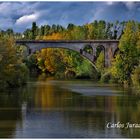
x,y
87,48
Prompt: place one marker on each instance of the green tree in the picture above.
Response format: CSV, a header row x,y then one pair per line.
x,y
27,34
129,55
100,62
34,30
10,32
136,77
70,26
108,33
78,33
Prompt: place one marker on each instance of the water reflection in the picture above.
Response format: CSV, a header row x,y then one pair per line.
x,y
10,113
49,108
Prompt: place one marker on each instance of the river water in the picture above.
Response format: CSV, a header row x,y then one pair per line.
x,y
68,109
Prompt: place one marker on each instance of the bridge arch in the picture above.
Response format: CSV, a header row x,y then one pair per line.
x,y
115,52
88,49
100,49
83,55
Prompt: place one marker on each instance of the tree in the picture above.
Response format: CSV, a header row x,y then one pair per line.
x,y
108,33
129,56
78,33
34,30
100,62
89,29
53,36
27,34
70,26
42,30
47,29
13,72
10,32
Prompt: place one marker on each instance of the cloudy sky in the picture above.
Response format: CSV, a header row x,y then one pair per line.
x,y
20,15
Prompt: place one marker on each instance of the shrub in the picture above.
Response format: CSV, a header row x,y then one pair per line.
x,y
86,70
108,78
70,74
105,78
136,77
17,76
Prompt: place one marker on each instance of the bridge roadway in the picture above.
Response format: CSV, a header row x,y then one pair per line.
x,y
67,41
109,47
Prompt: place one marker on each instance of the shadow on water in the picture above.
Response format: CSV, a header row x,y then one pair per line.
x,y
67,109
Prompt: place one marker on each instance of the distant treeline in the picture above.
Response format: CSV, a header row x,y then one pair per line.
x,y
95,30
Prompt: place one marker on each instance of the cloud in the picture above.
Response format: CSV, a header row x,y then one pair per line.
x,y
130,5
20,15
12,9
27,19
109,2
108,12
118,11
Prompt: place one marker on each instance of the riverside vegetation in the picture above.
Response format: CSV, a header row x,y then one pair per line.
x,y
62,63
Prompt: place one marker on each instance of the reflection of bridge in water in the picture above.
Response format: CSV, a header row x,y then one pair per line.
x,y
87,48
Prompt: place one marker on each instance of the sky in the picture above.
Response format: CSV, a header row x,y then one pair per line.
x,y
20,15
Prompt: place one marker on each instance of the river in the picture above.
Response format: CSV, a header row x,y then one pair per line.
x,y
68,109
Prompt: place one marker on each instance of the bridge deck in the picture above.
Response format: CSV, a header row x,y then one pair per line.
x,y
67,41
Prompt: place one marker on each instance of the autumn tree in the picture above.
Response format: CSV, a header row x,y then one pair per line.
x,y
13,72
